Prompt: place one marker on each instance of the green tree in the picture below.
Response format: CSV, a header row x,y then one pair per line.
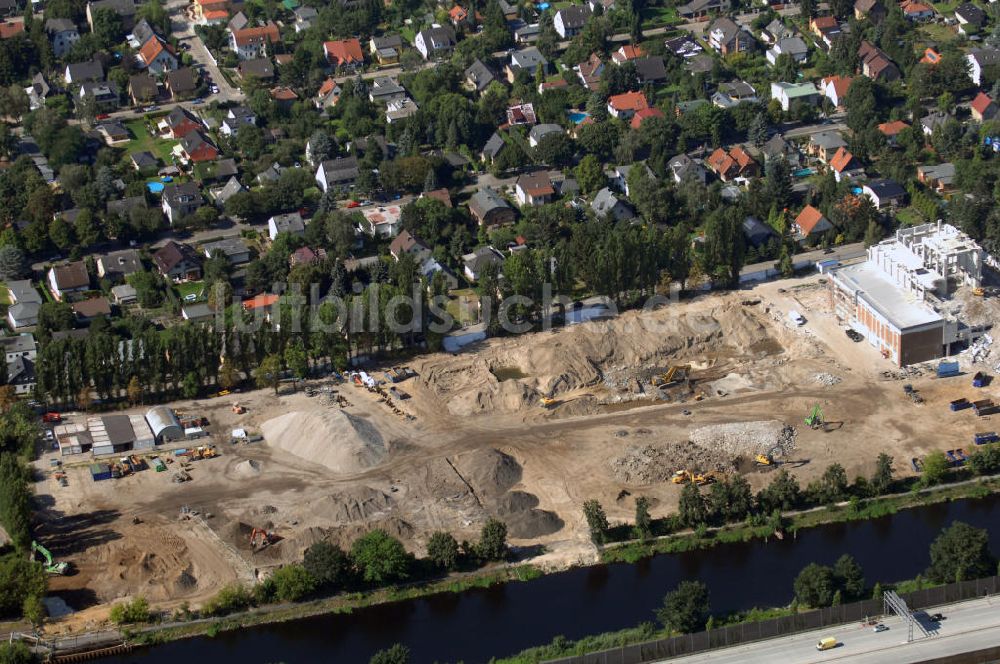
x,y
442,550
757,132
86,229
814,586
590,174
15,653
849,576
268,373
882,478
297,360
597,521
19,580
292,583
130,612
686,608
691,508
493,540
643,521
397,654
380,558
328,564
191,385
985,460
961,553
782,493
12,263
936,466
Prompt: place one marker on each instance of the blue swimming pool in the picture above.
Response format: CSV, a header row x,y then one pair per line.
x,y
577,116
154,187
804,172
542,6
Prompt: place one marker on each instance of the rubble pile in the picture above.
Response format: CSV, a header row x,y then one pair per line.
x,y
738,439
826,379
650,464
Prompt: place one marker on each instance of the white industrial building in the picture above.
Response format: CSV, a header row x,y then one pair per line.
x,y
897,298
116,434
164,424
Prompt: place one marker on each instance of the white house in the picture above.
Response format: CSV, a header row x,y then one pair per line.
x,y
569,22
980,58
792,46
435,42
290,222
62,34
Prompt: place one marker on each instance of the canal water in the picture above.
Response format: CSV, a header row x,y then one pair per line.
x,y
479,624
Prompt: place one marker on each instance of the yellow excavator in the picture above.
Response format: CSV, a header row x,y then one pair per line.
x,y
680,477
684,476
764,460
547,401
674,373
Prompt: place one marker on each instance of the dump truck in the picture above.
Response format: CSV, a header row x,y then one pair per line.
x,y
985,438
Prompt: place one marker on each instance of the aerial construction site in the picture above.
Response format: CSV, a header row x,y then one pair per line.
x,y
522,428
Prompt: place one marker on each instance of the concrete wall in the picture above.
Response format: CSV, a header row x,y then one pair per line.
x,y
921,346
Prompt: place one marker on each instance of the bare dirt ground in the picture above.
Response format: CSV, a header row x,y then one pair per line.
x,y
481,443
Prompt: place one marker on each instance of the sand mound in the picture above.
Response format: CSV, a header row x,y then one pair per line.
x,y
247,469
332,438
490,472
524,521
357,505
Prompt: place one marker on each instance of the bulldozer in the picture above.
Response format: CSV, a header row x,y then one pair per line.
x,y
764,460
815,419
208,452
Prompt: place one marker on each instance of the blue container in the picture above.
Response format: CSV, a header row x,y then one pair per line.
x,y
947,369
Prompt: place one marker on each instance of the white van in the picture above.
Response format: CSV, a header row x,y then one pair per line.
x,y
796,317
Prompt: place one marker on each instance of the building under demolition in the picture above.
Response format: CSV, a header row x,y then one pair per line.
x,y
898,297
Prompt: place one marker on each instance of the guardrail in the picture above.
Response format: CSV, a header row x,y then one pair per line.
x,y
731,635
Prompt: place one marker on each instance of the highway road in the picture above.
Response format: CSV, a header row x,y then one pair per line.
x,y
967,627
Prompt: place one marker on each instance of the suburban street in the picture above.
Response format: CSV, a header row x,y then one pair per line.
x,y
967,627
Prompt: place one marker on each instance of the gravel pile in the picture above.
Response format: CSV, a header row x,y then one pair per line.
x,y
652,464
738,439
826,379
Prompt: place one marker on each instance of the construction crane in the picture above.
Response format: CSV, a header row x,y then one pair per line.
x,y
51,566
815,419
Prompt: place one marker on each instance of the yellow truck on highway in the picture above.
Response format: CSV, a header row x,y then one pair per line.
x,y
829,643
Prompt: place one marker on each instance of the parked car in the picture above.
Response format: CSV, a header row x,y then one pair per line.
x,y
190,297
853,335
880,628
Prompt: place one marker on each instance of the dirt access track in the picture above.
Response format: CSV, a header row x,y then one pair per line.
x,y
480,442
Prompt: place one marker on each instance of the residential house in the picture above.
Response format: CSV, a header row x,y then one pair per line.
x,y
22,291
236,118
328,94
728,37
810,223
521,114
930,122
239,21
235,250
409,245
734,93
62,34
530,60
699,8
822,26
142,88
400,109
492,148
476,263
534,189
90,309
19,345
182,83
125,9
198,312
103,94
733,164
386,49
835,89
113,131
478,76
569,21
650,70
123,208
11,27
459,16
891,130
625,105
875,64
80,72
825,144
118,265
197,149
157,56
140,34
777,147
382,221
178,262
776,30
884,194
757,233
873,10
211,11
683,167
260,69
344,53
970,18
181,200
527,34
590,72
916,11
621,174
606,205
255,42
37,92
180,122
385,89
21,375
845,166
290,222
627,53
979,59
939,177
983,108
144,161
441,195
683,47
791,46
22,315
284,96
435,42
124,294
227,191
793,95
642,115
306,256
491,210
68,278
304,17
337,173
540,131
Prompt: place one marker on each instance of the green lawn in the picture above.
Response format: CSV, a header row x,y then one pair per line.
x,y
910,216
408,34
936,32
144,141
189,287
655,17
4,294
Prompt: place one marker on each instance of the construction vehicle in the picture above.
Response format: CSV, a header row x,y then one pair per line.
x,y
222,393
978,292
815,419
701,480
681,477
764,460
547,401
950,454
672,375
51,566
238,409
260,538
208,452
